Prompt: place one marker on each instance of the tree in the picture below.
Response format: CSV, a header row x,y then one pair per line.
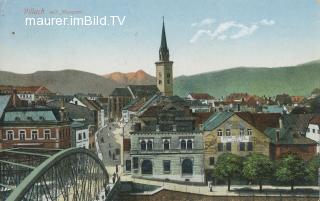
x,y
315,104
312,168
258,167
290,169
228,165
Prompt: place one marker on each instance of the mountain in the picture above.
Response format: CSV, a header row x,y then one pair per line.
x,y
139,77
294,80
64,82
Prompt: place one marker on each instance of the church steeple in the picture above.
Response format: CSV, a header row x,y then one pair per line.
x,y
163,51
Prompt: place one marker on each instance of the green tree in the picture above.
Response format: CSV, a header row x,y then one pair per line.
x,y
290,168
312,168
228,165
257,167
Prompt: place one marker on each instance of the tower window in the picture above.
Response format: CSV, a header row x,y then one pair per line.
x,y
160,81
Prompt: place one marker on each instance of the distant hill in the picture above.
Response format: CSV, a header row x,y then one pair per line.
x,y
139,77
64,82
294,80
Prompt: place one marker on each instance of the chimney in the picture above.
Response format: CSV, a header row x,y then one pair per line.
x,y
61,111
14,98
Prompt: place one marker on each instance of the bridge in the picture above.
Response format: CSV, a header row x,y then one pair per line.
x,y
39,174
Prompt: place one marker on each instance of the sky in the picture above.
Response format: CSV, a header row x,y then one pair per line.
x,y
202,35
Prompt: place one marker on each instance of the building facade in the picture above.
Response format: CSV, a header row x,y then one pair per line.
x,y
228,132
176,156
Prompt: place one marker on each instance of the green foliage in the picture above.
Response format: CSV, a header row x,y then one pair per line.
x,y
228,165
290,168
315,105
312,168
296,80
257,167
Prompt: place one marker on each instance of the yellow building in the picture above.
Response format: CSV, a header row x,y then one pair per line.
x,y
235,133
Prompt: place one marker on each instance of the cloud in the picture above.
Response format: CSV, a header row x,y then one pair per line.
x,y
267,22
230,30
204,22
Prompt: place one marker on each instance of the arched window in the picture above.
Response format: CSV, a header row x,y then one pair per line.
x,y
84,135
146,167
166,145
189,144
79,136
187,167
149,145
183,144
143,145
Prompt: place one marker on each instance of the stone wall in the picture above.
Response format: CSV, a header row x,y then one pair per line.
x,y
166,195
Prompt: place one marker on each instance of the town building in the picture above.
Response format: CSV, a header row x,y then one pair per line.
x,y
313,131
80,135
235,133
35,127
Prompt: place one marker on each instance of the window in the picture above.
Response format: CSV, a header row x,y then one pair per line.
x,y
166,166
166,144
187,167
135,162
308,130
319,131
160,74
228,133
183,144
314,130
168,81
249,131
47,134
84,135
160,82
34,135
146,167
249,146
189,144
228,146
219,132
149,145
242,146
168,75
117,151
220,146
22,135
79,136
241,131
128,165
10,134
143,145
211,159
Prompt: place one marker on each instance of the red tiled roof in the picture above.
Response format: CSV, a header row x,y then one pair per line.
x,y
261,120
201,96
315,120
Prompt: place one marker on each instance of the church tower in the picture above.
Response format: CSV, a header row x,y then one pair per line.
x,y
164,67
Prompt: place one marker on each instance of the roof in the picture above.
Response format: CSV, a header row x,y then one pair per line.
x,y
288,136
216,119
30,115
261,120
297,122
315,120
143,90
120,92
4,101
273,109
201,96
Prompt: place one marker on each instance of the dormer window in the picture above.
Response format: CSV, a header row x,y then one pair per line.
x,y
42,118
17,119
29,118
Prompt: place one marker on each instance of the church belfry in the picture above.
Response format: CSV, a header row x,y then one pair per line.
x,y
164,67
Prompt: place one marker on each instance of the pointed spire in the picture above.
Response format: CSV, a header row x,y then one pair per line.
x,y
163,51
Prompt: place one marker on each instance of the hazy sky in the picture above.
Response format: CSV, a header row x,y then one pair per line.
x,y
202,35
